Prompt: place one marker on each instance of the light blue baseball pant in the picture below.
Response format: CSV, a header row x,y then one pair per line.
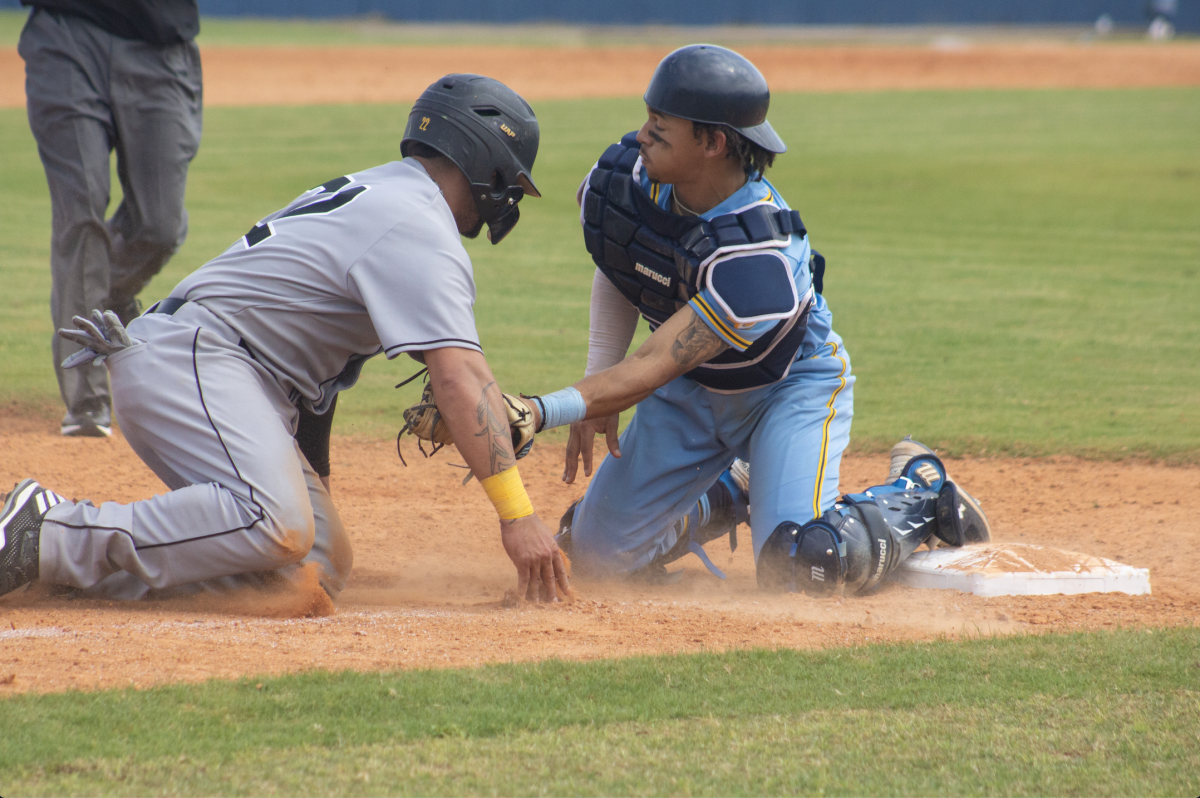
x,y
683,437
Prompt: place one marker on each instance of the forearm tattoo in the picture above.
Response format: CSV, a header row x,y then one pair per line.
x,y
495,429
695,345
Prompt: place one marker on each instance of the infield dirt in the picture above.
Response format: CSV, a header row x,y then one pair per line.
x,y
286,75
430,576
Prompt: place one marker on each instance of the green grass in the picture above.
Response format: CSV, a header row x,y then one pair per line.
x,y
1013,271
1086,714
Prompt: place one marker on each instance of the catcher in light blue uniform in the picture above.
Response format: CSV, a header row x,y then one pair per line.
x,y
742,364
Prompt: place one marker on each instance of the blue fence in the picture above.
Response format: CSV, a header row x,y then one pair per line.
x,y
714,12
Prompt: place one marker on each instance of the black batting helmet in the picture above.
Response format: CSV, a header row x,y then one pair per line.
x,y
490,133
710,84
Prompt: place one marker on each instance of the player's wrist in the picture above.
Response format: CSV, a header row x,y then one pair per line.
x,y
566,406
507,494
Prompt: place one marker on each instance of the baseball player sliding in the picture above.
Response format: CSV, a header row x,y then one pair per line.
x,y
743,362
226,388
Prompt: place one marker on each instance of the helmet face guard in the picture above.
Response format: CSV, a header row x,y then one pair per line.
x,y
490,133
500,214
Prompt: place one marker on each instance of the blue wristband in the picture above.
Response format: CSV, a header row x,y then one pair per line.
x,y
562,407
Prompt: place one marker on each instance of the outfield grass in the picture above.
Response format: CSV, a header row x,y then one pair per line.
x,y
1086,714
1012,271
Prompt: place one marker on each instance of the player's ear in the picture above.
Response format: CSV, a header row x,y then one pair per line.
x,y
716,144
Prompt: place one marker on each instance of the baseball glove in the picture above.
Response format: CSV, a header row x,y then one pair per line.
x,y
424,421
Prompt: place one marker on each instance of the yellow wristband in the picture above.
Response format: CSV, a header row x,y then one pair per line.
x,y
507,493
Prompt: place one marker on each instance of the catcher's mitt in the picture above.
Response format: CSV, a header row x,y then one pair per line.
x,y
424,421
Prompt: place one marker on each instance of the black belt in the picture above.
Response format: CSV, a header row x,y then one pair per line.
x,y
167,306
172,304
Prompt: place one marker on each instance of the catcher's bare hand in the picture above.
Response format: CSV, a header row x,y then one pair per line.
x,y
539,563
583,438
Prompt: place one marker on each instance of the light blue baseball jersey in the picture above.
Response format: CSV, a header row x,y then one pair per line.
x,y
714,310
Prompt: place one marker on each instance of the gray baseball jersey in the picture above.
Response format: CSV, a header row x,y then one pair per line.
x,y
364,264
367,263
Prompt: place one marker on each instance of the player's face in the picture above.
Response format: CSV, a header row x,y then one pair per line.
x,y
670,150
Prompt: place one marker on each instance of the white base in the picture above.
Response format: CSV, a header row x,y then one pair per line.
x,y
1019,569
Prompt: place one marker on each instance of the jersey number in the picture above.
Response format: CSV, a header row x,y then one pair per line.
x,y
261,232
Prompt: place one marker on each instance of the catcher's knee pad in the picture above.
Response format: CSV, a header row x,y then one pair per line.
x,y
807,557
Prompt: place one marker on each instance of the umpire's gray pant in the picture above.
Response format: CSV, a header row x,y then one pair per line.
x,y
87,93
217,428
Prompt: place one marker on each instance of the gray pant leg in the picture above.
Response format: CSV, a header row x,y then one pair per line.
x,y
66,78
331,551
157,104
220,432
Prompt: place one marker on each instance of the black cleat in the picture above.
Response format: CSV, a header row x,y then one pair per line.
x,y
20,533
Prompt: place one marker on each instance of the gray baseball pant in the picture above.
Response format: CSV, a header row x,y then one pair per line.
x,y
87,93
217,428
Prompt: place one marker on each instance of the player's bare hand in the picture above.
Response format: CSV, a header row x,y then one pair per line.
x,y
583,438
539,563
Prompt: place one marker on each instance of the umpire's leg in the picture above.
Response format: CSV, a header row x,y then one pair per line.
x,y
157,103
66,84
218,429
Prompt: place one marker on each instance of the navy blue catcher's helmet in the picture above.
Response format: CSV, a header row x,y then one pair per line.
x,y
710,84
490,133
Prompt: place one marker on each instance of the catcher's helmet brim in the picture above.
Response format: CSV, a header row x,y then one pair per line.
x,y
764,136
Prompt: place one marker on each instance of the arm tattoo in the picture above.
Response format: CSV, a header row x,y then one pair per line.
x,y
500,452
695,345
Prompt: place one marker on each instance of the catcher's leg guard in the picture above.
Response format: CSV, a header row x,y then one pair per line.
x,y
960,518
851,547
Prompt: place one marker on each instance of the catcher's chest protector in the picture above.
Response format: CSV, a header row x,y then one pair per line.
x,y
659,261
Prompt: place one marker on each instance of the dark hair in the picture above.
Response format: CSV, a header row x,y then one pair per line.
x,y
419,149
755,160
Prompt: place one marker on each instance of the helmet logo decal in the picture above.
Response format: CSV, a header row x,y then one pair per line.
x,y
508,130
424,123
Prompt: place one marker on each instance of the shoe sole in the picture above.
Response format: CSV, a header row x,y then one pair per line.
x,y
902,453
86,431
13,504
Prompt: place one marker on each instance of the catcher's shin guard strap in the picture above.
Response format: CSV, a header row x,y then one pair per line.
x,y
507,494
561,407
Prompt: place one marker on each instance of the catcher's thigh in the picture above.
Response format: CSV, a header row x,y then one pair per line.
x,y
796,448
